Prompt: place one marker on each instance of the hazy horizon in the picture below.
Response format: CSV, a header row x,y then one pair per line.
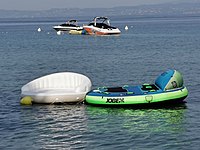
x,y
49,4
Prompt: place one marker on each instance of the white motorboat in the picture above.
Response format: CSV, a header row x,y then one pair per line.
x,y
70,25
101,26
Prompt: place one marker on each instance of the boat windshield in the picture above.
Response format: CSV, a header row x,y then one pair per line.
x,y
104,20
72,21
101,22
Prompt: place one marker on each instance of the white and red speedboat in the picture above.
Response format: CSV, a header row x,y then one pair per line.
x,y
101,26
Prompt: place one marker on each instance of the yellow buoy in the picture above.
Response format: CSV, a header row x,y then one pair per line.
x,y
27,100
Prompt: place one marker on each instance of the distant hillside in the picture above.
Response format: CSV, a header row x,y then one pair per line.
x,y
143,10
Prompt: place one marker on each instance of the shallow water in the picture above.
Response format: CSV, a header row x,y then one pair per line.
x,y
150,47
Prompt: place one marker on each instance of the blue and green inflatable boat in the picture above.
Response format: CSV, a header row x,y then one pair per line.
x,y
168,87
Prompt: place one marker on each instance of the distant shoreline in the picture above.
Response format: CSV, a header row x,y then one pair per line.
x,y
142,11
89,18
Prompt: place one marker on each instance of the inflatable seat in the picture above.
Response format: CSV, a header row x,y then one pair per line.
x,y
58,88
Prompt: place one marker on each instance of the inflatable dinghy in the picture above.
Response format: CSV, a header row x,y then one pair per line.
x,y
168,88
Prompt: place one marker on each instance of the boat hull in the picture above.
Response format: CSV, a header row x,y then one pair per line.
x,y
149,98
100,31
61,28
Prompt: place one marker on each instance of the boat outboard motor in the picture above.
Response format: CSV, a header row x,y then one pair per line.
x,y
169,80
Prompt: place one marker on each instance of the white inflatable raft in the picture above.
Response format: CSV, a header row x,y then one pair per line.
x,y
64,87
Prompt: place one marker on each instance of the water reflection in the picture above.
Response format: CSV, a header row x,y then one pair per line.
x,y
90,127
56,126
170,119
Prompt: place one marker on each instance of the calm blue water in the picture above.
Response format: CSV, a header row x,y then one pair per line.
x,y
150,47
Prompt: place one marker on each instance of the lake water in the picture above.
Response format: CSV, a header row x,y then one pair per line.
x,y
150,47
